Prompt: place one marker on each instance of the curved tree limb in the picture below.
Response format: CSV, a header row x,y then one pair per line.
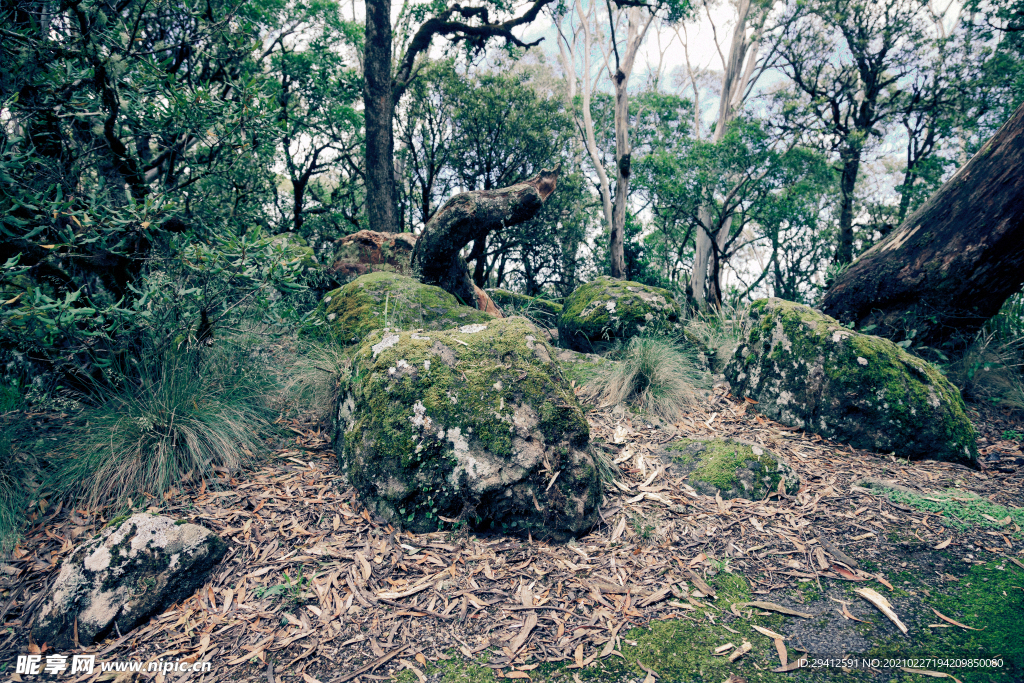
x,y
437,258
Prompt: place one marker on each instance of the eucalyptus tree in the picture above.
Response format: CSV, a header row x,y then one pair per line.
x,y
625,28
850,63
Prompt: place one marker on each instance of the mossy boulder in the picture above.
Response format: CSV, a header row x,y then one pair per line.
x,y
607,309
382,299
806,370
730,468
540,310
470,425
137,567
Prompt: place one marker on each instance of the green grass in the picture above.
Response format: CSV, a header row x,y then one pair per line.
x,y
311,377
654,375
185,417
960,510
17,482
989,597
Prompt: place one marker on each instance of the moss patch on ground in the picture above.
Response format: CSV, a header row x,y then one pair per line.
x,y
989,598
731,468
962,510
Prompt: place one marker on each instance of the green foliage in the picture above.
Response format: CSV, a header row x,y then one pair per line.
x,y
176,417
292,592
654,375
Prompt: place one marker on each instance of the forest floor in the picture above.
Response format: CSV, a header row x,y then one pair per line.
x,y
672,586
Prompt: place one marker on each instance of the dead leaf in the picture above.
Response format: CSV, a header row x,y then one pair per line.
x,y
883,605
942,616
741,650
944,544
933,674
768,632
518,674
773,607
524,633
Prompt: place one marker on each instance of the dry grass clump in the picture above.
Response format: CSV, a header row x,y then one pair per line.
x,y
312,378
991,370
654,375
718,331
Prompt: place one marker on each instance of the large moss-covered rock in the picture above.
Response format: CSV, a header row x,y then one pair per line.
x,y
382,299
730,468
607,309
536,308
806,370
136,568
474,425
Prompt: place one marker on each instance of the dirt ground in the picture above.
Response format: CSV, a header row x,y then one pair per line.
x,y
671,586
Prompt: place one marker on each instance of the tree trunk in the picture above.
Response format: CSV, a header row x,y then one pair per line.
x,y
734,87
437,258
379,105
950,266
847,185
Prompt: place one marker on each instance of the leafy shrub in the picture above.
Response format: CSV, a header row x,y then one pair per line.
x,y
189,414
655,375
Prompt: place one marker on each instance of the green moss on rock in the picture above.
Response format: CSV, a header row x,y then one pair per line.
x,y
468,424
806,370
607,309
731,468
381,299
536,308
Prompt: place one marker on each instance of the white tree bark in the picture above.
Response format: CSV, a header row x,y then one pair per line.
x,y
637,23
568,56
636,29
738,68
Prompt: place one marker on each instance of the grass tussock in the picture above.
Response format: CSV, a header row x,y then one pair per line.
x,y
313,376
990,370
717,332
182,418
654,375
17,484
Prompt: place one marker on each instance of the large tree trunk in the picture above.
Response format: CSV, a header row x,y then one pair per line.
x,y
437,258
951,265
379,106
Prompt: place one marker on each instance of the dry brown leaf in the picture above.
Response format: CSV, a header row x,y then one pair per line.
x,y
722,649
768,632
774,607
944,544
524,633
780,648
741,650
926,672
518,674
883,605
942,616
